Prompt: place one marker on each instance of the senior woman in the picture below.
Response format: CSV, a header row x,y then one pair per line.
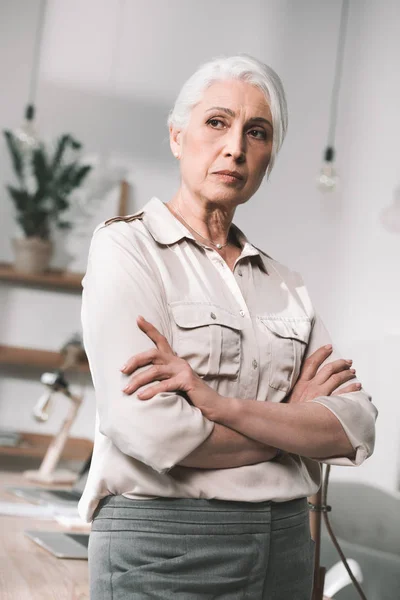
x,y
214,409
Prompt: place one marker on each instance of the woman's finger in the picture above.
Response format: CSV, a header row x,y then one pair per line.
x,y
314,361
168,385
142,359
156,336
353,387
328,371
336,380
155,373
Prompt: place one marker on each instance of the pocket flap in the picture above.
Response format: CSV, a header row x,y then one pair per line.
x,y
293,328
189,315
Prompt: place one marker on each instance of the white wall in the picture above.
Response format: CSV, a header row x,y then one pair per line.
x,y
115,97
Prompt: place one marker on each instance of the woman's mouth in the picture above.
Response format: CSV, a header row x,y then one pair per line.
x,y
229,176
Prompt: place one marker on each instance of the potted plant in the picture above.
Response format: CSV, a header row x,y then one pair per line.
x,y
45,183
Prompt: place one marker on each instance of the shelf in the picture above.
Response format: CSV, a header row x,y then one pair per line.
x,y
35,445
51,279
43,360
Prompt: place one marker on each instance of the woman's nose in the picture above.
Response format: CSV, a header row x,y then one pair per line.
x,y
235,146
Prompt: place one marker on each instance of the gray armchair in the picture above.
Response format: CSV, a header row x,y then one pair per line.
x,y
366,521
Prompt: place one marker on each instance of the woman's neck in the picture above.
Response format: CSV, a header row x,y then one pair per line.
x,y
207,221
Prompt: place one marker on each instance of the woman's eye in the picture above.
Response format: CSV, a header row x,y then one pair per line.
x,y
216,123
258,134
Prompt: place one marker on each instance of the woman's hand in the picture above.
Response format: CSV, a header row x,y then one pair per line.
x,y
173,373
312,384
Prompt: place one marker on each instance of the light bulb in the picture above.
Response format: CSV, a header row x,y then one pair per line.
x,y
26,134
390,216
328,178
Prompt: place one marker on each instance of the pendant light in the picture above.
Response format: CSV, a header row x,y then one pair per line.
x,y
26,134
328,178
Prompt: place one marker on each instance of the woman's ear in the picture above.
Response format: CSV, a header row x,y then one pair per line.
x,y
175,136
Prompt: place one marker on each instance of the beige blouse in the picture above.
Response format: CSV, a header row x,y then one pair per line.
x,y
245,331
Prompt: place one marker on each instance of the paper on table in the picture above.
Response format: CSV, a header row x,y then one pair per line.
x,y
73,522
40,511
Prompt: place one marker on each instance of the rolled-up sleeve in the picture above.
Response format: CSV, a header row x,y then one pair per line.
x,y
355,410
119,284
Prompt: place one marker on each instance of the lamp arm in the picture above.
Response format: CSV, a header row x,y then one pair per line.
x,y
315,504
57,444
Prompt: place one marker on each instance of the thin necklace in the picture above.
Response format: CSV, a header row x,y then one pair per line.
x,y
219,246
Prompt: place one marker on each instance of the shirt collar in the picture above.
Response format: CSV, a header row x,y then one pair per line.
x,y
167,229
162,224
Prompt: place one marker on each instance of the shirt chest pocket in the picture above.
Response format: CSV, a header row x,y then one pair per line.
x,y
208,337
287,341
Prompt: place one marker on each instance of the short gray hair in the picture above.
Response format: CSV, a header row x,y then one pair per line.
x,y
244,68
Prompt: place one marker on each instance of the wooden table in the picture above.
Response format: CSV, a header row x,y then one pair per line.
x,y
27,571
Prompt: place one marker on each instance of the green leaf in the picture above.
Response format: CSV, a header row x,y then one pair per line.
x,y
59,152
60,203
74,143
35,223
16,155
39,198
64,224
65,176
81,175
21,221
21,198
40,168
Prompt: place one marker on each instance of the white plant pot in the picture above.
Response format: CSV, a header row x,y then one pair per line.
x,y
32,254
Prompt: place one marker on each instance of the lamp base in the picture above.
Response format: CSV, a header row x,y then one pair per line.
x,y
58,476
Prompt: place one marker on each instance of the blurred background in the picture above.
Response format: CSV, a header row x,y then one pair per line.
x,y
108,72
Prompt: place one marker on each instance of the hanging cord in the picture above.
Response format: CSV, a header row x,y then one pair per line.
x,y
36,54
333,537
344,15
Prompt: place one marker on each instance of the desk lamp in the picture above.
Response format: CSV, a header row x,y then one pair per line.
x,y
55,382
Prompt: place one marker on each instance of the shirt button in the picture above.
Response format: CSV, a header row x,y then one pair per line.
x,y
240,273
254,363
213,315
242,313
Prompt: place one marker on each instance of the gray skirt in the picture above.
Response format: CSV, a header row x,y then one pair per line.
x,y
189,549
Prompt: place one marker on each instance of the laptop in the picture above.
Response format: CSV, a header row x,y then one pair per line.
x,y
42,495
60,544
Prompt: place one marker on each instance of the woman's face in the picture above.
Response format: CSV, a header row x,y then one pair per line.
x,y
229,130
